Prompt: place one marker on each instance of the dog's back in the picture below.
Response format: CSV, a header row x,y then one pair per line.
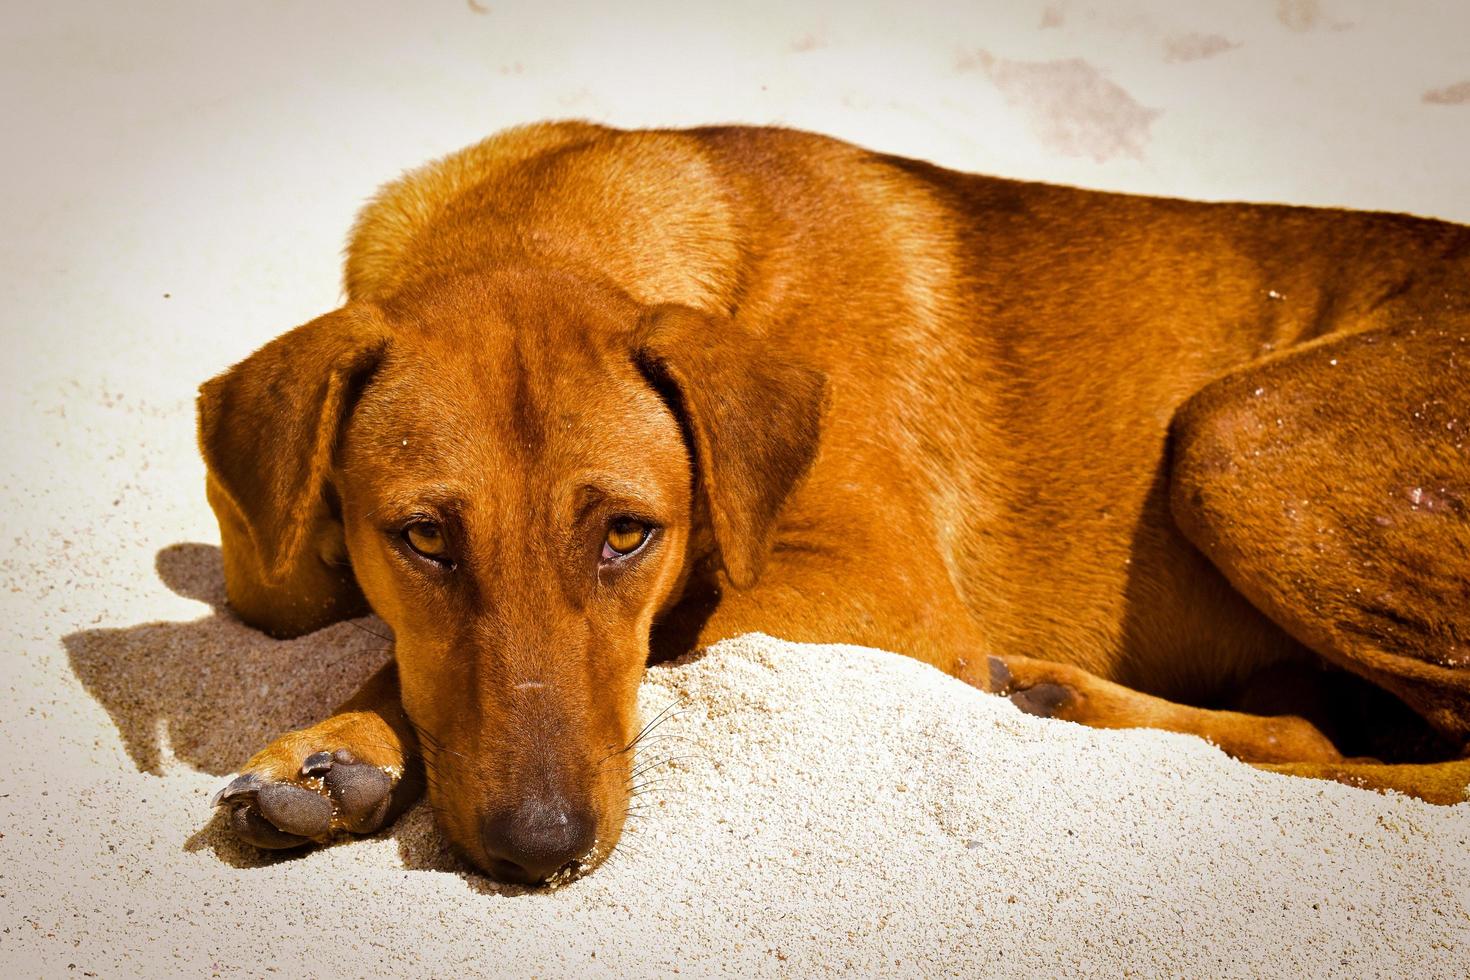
x,y
1005,357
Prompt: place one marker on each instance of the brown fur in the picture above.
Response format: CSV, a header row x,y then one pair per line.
x,y
1103,453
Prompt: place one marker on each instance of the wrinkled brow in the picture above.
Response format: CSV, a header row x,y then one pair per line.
x,y
609,485
594,488
432,500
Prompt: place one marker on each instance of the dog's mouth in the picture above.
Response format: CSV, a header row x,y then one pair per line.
x,y
474,857
575,868
511,873
536,827
537,841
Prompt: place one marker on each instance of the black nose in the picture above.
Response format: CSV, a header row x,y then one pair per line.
x,y
537,839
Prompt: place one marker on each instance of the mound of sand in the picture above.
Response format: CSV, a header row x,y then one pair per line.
x,y
819,808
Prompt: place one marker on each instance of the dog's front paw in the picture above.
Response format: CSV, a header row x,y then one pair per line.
x,y
278,802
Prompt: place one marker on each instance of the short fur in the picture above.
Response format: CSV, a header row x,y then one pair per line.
x,y
1131,461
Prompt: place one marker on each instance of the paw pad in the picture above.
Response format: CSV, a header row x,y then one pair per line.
x,y
1043,698
332,791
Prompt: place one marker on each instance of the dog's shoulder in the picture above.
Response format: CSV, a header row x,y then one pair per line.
x,y
387,225
647,209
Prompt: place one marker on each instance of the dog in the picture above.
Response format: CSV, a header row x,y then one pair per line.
x,y
601,396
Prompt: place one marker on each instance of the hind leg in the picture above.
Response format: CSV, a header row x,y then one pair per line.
x,y
1056,690
1437,782
1331,486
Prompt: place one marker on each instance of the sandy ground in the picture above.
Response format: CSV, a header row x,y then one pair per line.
x,y
177,184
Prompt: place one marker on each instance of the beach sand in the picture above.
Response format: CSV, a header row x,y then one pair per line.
x,y
176,192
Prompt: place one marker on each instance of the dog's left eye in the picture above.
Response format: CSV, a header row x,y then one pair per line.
x,y
426,538
623,538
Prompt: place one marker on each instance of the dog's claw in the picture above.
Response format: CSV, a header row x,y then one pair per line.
x,y
319,763
1000,676
244,783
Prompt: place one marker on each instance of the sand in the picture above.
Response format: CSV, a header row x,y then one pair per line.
x,y
176,191
821,809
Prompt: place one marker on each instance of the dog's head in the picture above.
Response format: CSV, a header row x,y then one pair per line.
x,y
518,474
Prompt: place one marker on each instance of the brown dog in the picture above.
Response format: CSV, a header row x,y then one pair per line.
x,y
602,394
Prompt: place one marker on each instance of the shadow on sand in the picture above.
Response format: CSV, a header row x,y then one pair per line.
x,y
215,692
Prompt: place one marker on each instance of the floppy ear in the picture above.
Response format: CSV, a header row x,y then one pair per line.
x,y
267,429
753,416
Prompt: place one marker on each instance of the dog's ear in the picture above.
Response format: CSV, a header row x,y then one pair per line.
x,y
754,417
267,429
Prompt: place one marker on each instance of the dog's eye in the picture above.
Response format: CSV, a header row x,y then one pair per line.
x,y
623,538
427,538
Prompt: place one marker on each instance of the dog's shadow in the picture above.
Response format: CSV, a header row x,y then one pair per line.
x,y
215,691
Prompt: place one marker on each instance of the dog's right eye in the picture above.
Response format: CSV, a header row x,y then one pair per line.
x,y
623,538
427,539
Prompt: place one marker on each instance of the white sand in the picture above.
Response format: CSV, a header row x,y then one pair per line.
x,y
176,189
824,808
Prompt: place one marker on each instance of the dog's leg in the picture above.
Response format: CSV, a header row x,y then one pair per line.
x,y
1055,690
1331,486
814,594
356,772
1438,782
935,627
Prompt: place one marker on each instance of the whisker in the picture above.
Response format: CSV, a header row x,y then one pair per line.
x,y
356,625
674,735
649,767
646,786
433,742
656,724
658,719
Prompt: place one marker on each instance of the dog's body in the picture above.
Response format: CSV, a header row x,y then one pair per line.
x,y
1167,449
